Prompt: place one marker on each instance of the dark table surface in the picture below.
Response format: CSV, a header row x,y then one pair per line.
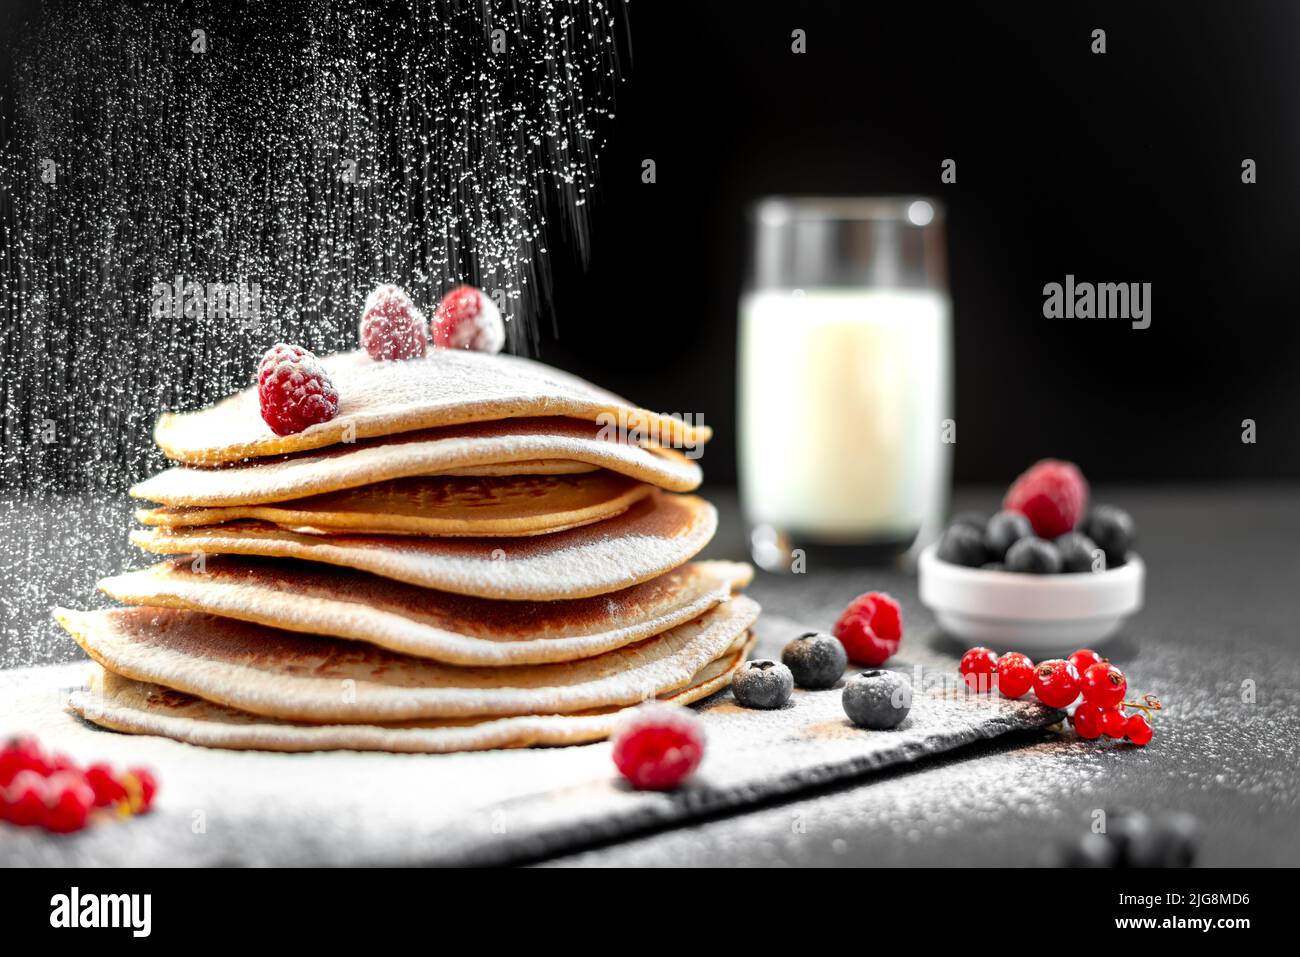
x,y
1217,639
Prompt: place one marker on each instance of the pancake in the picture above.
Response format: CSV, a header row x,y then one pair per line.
x,y
122,704
655,535
528,467
342,603
508,506
281,674
531,446
446,387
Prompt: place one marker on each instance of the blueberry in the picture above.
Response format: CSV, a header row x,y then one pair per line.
x,y
1165,841
962,545
1134,839
816,659
877,699
1003,530
762,683
1091,850
1113,530
976,520
1034,556
1078,552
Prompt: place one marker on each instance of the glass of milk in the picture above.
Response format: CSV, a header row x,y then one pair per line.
x,y
844,379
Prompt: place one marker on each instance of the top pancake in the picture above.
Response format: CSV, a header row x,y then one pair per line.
x,y
512,446
446,387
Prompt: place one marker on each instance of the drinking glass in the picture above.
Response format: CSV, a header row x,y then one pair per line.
x,y
844,379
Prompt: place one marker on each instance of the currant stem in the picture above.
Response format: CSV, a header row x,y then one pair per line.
x,y
1149,704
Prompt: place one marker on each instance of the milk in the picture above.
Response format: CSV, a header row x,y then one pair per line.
x,y
843,397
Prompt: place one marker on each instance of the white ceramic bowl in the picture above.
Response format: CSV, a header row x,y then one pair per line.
x,y
1008,611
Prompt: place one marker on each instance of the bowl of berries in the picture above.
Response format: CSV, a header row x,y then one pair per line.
x,y
1045,572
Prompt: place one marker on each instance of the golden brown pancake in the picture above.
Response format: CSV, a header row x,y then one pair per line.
x,y
308,678
655,535
343,603
514,446
507,506
447,387
136,707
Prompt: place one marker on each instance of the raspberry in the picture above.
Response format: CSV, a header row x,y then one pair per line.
x,y
467,319
977,669
1056,683
1103,684
657,746
1138,730
1052,494
391,326
1087,721
1015,674
871,628
294,390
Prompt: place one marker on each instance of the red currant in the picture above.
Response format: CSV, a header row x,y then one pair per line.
x,y
1087,721
68,802
26,800
108,789
1139,730
1056,683
1015,674
141,786
1113,722
21,754
1083,659
1103,684
977,669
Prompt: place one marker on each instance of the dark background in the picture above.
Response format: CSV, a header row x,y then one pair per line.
x,y
1117,167
1123,167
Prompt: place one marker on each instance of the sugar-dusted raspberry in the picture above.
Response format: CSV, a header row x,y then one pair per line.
x,y
870,628
468,319
1052,494
391,326
294,390
657,746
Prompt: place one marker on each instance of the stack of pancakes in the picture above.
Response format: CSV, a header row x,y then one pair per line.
x,y
479,551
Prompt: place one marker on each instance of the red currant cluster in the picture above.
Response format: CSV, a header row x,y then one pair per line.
x,y
50,791
1059,683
